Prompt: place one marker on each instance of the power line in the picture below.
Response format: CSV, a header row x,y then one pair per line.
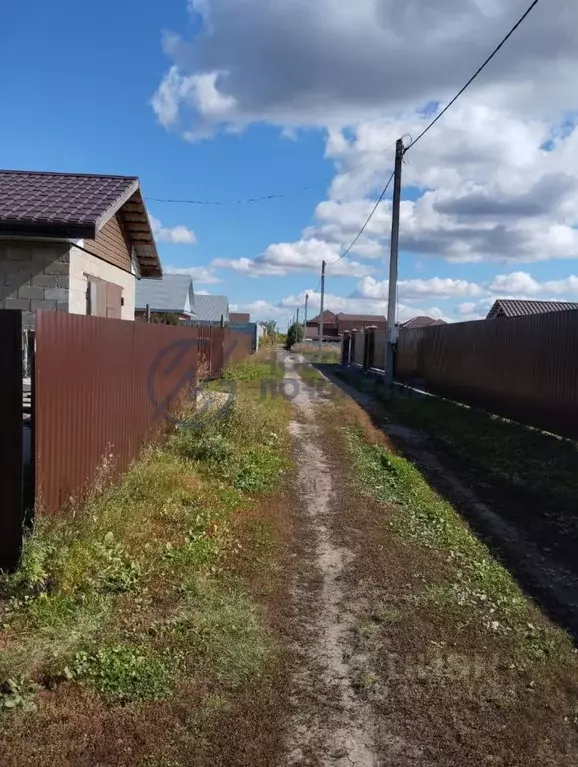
x,y
364,227
267,197
476,74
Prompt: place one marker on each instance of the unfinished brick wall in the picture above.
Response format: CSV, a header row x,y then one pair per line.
x,y
34,275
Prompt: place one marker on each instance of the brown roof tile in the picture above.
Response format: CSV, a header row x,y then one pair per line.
x,y
360,318
421,322
76,205
71,201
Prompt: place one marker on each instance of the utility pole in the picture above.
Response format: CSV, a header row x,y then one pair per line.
x,y
298,316
322,305
393,259
306,303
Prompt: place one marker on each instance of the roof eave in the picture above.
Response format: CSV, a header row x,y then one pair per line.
x,y
58,231
117,205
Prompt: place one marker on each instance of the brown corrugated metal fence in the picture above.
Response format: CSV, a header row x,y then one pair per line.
x,y
11,469
103,388
237,347
524,368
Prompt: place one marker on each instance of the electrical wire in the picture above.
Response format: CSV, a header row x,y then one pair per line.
x,y
475,75
364,227
268,197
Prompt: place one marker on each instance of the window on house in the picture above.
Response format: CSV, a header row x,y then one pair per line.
x,y
103,299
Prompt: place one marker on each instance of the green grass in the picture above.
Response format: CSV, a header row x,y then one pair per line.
x,y
263,367
137,591
479,588
330,354
123,673
311,375
507,451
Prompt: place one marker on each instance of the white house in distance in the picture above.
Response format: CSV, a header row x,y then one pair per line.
x,y
74,243
174,294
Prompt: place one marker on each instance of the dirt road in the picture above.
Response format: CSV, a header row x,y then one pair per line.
x,y
390,669
331,725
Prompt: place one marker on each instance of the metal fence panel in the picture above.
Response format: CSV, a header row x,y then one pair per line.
x,y
103,388
380,346
524,368
238,345
11,439
359,348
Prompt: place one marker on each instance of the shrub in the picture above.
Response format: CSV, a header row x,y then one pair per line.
x,y
295,335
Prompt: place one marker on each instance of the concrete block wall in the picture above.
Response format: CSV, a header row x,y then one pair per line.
x,y
34,274
83,264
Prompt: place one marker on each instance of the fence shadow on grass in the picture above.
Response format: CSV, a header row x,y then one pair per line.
x,y
516,487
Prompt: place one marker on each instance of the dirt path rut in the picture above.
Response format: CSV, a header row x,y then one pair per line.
x,y
330,725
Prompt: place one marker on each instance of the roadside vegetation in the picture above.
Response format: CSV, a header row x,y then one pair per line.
x,y
329,354
507,452
455,659
141,620
510,452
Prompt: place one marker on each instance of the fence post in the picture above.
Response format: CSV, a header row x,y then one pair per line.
x,y
11,440
353,345
369,355
345,348
366,335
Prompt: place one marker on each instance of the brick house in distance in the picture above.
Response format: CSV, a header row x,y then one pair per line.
x,y
421,322
74,243
334,325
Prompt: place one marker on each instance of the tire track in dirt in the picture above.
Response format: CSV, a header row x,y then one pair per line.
x,y
330,725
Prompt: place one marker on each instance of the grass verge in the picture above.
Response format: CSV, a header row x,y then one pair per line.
x,y
330,353
477,586
459,665
143,608
506,452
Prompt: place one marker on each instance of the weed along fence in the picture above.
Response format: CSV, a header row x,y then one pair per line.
x,y
102,388
523,368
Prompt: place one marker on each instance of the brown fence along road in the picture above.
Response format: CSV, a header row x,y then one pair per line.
x,y
523,368
11,441
103,388
237,347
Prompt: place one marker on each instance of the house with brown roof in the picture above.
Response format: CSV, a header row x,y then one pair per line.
x,y
513,308
359,322
74,243
421,322
334,325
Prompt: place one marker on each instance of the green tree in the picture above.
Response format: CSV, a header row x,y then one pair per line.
x,y
295,335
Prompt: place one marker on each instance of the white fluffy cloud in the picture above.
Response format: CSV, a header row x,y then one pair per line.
x,y
305,255
176,235
495,181
293,63
523,283
201,275
411,290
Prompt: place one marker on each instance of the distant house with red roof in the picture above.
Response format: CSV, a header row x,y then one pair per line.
x,y
421,322
335,325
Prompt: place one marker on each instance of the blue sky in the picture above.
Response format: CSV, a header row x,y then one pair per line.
x,y
256,98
